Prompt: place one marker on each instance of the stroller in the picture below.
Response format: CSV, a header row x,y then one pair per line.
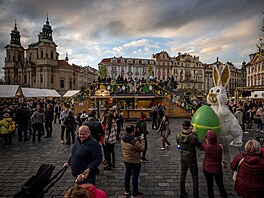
x,y
39,184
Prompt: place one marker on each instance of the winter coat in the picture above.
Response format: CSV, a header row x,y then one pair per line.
x,y
95,128
110,136
250,175
131,149
164,129
95,192
213,154
86,154
188,142
4,126
38,117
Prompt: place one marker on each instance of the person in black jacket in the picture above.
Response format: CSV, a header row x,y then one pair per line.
x,y
188,141
71,123
23,119
86,156
94,126
49,117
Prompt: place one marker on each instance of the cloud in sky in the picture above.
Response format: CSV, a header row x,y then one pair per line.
x,y
89,30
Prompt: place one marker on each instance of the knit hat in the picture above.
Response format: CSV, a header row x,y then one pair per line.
x,y
211,137
84,115
142,115
6,115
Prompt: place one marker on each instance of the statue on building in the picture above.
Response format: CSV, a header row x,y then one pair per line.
x,y
217,98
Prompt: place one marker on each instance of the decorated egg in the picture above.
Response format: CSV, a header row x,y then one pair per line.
x,y
204,119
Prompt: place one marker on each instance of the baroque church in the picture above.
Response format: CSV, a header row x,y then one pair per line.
x,y
39,66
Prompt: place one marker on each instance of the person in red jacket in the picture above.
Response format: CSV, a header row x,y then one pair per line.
x,y
85,191
212,166
250,172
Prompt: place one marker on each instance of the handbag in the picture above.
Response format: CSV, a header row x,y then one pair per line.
x,y
235,172
223,162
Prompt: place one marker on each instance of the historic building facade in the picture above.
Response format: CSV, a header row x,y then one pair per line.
x,y
255,70
128,68
39,66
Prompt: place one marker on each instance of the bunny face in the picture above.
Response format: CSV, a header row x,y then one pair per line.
x,y
216,95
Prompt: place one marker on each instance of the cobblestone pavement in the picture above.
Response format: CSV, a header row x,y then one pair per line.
x,y
159,177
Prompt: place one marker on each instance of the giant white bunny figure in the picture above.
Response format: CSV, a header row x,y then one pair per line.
x,y
217,98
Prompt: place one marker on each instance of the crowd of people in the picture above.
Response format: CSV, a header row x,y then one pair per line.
x,y
95,141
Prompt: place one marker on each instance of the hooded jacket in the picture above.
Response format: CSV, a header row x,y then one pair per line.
x,y
188,142
95,192
131,149
213,153
250,175
4,125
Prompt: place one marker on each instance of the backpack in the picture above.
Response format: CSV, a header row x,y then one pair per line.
x,y
11,126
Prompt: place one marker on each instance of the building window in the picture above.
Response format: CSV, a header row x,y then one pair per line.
x,y
136,61
25,78
41,54
51,80
14,58
41,79
62,83
113,60
70,84
51,55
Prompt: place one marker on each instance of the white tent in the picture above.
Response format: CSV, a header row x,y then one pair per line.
x,y
35,92
71,93
10,91
257,95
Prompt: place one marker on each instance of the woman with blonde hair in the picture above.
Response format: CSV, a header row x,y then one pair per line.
x,y
249,165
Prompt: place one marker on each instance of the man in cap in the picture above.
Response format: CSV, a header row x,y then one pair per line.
x,y
188,141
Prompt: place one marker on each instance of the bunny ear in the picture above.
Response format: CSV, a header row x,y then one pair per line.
x,y
216,76
225,75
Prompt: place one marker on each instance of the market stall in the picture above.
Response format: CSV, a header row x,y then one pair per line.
x,y
10,91
71,93
39,93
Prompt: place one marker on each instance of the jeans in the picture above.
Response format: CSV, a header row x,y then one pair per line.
x,y
194,171
146,146
110,154
48,127
154,123
36,127
62,132
134,171
210,184
23,128
70,134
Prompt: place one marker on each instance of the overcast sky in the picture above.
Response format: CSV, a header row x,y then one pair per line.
x,y
90,30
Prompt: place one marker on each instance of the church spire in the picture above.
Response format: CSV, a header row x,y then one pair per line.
x,y
15,36
67,58
47,31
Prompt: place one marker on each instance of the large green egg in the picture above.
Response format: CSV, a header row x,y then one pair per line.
x,y
203,119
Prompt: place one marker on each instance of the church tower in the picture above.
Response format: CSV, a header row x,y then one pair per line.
x,y
14,59
44,56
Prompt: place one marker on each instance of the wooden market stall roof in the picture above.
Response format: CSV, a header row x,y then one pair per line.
x,y
71,93
38,93
10,91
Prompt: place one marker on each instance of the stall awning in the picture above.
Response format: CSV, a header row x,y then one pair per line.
x,y
38,93
10,91
257,95
71,93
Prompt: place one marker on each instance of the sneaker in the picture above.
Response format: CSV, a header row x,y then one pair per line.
x,y
108,168
127,193
144,160
140,195
162,149
62,142
246,132
261,131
